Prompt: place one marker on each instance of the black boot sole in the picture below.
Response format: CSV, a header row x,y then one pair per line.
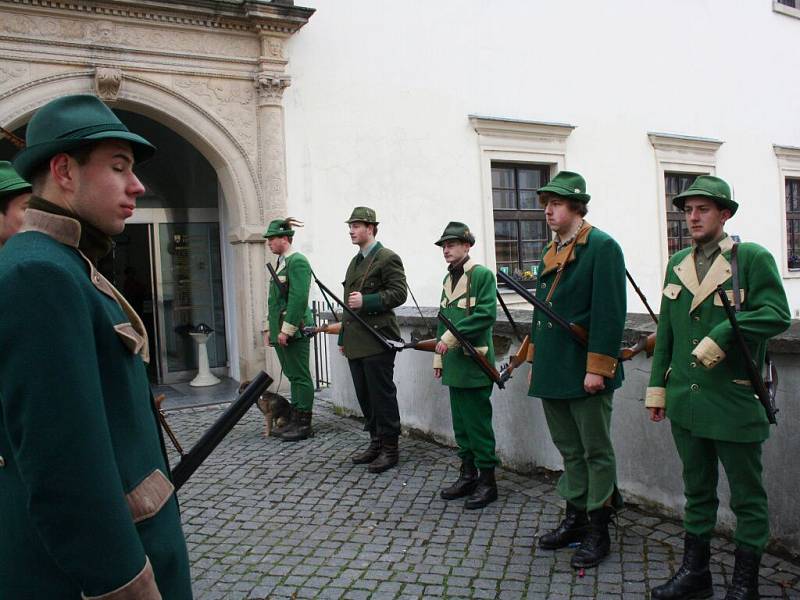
x,y
563,544
466,491
481,503
693,595
589,563
382,468
296,438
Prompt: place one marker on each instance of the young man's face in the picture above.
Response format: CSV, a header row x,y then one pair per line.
x,y
106,188
11,220
561,218
360,233
454,251
278,244
704,219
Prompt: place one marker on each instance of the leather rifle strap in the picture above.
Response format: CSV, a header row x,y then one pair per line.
x,y
737,296
563,265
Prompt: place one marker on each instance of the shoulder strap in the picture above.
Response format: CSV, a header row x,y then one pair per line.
x,y
369,267
564,264
737,296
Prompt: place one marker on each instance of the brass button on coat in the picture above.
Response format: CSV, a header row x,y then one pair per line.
x,y
695,342
694,387
693,365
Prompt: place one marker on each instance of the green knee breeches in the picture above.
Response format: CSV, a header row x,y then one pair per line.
x,y
472,425
294,362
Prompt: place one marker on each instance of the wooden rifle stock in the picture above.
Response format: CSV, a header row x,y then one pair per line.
x,y
646,343
329,328
422,345
162,418
516,359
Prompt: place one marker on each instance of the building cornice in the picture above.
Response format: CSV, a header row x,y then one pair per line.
x,y
787,155
505,127
683,143
208,14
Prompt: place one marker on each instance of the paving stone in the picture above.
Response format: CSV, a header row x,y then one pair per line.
x,y
265,520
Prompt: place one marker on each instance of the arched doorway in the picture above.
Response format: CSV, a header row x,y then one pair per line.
x,y
169,260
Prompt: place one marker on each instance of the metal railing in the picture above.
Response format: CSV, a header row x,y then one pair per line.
x,y
321,363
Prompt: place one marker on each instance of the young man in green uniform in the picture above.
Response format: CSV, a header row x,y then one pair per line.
x,y
468,299
14,195
700,382
374,285
86,508
582,277
288,313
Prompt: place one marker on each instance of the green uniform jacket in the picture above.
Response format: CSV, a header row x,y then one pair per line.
x,y
289,314
716,400
84,488
477,289
382,281
591,294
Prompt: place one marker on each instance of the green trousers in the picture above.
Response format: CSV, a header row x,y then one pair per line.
x,y
581,430
742,464
294,362
472,425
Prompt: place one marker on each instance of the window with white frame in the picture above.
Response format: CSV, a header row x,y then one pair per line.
x,y
789,169
517,157
680,159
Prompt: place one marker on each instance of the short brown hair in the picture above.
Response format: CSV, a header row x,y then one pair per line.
x,y
81,155
575,206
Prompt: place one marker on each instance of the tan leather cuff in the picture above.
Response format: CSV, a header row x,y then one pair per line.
x,y
531,350
437,361
709,353
150,496
288,329
655,397
601,364
141,587
449,339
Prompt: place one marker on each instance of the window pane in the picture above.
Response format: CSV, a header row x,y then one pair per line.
x,y
529,200
674,184
535,236
792,195
503,199
677,232
503,177
506,242
530,179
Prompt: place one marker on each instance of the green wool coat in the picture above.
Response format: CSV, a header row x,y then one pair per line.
x,y
290,314
591,294
84,488
476,288
693,331
382,281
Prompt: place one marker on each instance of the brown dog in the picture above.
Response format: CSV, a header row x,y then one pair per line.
x,y
276,409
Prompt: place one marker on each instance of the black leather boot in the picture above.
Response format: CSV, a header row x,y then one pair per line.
x,y
572,529
744,585
277,431
465,484
388,458
485,491
597,543
370,454
300,428
693,579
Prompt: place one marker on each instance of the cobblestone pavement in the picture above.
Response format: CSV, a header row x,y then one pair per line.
x,y
268,519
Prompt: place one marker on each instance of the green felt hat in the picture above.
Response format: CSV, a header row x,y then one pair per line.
x,y
569,185
70,122
456,231
363,214
711,187
281,227
11,184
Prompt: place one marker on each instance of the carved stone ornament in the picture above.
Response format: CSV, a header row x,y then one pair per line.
x,y
270,87
107,82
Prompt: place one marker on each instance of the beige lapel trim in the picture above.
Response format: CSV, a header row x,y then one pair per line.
x,y
285,255
552,260
461,286
718,273
62,229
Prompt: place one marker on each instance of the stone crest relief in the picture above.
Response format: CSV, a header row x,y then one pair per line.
x,y
13,73
107,82
231,101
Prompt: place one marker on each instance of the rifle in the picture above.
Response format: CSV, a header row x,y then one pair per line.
x,y
646,343
162,418
753,372
329,328
218,430
479,358
396,345
283,289
516,359
576,332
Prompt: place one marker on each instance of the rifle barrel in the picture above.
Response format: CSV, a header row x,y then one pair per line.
x,y
218,430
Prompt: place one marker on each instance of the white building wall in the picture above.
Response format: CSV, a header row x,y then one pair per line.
x,y
377,114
